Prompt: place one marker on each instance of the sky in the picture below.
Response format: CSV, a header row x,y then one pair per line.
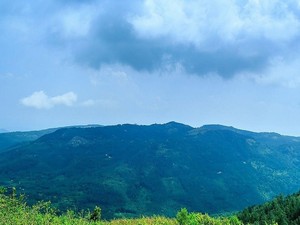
x,y
76,62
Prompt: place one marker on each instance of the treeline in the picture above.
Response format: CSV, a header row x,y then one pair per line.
x,y
282,210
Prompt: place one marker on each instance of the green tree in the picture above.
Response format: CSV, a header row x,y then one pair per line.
x,y
182,216
96,214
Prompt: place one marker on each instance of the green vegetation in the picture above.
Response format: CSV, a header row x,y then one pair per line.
x,y
131,170
15,211
183,217
283,210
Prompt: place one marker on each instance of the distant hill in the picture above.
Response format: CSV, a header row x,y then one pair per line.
x,y
132,170
12,139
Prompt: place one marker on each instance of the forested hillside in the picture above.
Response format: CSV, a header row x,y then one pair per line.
x,y
13,139
132,170
283,210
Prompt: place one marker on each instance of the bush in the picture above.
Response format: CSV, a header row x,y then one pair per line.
x,y
182,216
185,218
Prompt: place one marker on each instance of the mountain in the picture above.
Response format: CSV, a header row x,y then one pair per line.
x,y
12,139
132,170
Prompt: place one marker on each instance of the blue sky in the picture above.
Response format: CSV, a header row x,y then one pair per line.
x,y
233,62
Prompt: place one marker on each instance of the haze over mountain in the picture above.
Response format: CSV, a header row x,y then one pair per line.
x,y
132,170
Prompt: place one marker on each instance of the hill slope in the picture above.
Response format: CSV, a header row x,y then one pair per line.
x,y
13,139
131,170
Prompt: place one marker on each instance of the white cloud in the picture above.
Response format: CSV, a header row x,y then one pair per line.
x,y
67,99
207,23
40,100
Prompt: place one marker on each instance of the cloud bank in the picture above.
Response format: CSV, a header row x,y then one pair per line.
x,y
212,24
204,36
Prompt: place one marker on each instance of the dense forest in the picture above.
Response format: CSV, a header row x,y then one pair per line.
x,y
283,210
14,210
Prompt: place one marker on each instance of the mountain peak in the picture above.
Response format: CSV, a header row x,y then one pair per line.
x,y
3,131
176,125
217,127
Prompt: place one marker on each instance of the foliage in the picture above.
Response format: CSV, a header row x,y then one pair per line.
x,y
155,220
185,218
14,211
96,215
282,210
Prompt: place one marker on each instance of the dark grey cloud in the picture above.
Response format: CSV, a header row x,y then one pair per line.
x,y
117,44
97,32
112,38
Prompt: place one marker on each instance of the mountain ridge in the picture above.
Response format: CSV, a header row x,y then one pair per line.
x,y
134,170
